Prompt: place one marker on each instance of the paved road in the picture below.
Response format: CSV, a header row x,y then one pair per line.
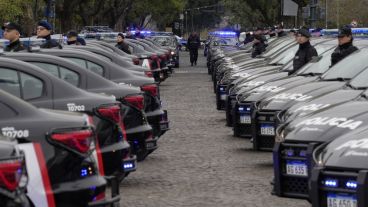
x,y
199,162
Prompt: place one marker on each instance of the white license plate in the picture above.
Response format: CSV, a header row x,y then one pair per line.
x,y
223,97
150,145
267,130
296,169
245,119
341,201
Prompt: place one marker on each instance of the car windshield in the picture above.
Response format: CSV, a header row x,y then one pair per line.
x,y
278,47
225,41
348,67
360,81
317,65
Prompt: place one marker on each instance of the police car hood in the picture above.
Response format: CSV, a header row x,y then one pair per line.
x,y
321,103
273,87
301,93
250,72
246,84
347,151
326,125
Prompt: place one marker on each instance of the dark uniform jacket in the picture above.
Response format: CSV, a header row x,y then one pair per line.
x,y
14,47
50,43
193,43
305,54
341,52
79,41
258,48
124,47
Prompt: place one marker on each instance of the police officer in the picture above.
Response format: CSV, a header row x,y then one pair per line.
x,y
345,46
44,30
193,44
258,46
305,52
121,44
12,33
73,38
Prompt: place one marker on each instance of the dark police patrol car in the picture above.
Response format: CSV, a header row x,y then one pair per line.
x,y
335,78
44,90
156,116
137,130
13,173
340,177
56,162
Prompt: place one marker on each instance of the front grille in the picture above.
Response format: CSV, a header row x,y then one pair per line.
x,y
230,104
335,185
265,130
294,161
242,120
221,97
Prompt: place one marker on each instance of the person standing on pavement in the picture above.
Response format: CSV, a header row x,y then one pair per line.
x,y
193,45
12,33
44,30
305,52
345,47
258,46
73,38
121,44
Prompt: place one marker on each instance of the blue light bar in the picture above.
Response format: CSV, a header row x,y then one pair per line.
x,y
355,31
303,153
352,184
127,166
331,183
222,89
289,152
241,108
223,33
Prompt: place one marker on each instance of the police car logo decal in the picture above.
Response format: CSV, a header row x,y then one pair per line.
x,y
270,88
312,107
292,96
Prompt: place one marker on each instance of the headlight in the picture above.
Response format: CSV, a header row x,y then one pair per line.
x,y
280,135
172,53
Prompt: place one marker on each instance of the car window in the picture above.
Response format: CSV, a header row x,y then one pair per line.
x,y
95,68
349,66
6,112
69,76
31,87
361,80
317,65
53,69
103,57
9,81
78,61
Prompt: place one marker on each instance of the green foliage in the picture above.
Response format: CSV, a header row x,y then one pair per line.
x,y
12,10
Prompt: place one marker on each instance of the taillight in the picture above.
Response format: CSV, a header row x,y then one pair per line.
x,y
79,140
136,61
163,57
99,197
135,100
11,172
111,112
151,89
148,74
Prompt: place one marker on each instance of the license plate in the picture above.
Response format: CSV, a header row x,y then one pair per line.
x,y
341,201
223,97
297,169
151,145
245,119
164,126
267,130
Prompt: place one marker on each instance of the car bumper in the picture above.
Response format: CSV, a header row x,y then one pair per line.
x,y
113,155
158,120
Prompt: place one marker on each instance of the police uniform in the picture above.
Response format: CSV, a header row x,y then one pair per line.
x,y
193,45
305,52
50,43
343,50
16,45
122,45
258,47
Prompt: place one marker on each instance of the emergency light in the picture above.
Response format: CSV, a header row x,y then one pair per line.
x,y
357,32
223,34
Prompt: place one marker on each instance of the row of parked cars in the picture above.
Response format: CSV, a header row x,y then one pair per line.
x,y
314,122
75,120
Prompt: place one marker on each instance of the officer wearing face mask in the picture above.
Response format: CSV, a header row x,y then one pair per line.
x,y
345,47
305,52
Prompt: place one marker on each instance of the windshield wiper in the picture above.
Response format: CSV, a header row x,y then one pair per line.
x,y
310,74
350,86
337,79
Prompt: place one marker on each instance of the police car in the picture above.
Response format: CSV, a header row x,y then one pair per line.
x,y
44,90
61,171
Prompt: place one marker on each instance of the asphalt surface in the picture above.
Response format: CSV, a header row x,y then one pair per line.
x,y
199,162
